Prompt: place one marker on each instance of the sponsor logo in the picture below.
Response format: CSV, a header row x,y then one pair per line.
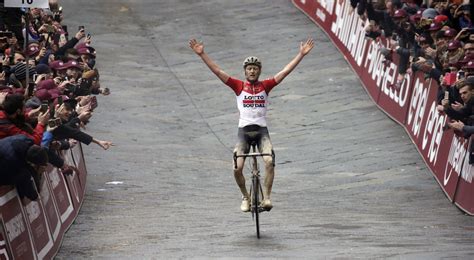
x,y
433,133
328,5
15,227
33,211
349,30
55,179
456,157
417,107
320,14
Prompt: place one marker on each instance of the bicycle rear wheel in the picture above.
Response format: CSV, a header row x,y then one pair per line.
x,y
256,202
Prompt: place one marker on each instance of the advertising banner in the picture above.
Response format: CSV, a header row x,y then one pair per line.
x,y
413,104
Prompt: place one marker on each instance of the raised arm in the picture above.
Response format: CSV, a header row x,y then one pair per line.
x,y
198,48
305,48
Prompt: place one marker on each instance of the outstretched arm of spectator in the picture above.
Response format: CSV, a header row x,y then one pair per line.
x,y
104,144
305,48
198,48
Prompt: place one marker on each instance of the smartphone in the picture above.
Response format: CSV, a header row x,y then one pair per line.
x,y
460,74
64,28
35,77
52,122
60,100
57,121
44,107
31,88
81,27
446,95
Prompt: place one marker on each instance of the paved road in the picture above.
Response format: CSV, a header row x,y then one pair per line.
x,y
349,182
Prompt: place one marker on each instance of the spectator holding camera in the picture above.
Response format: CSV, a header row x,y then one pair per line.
x,y
13,120
69,127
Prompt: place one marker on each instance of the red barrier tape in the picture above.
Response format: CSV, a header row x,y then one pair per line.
x,y
34,229
413,105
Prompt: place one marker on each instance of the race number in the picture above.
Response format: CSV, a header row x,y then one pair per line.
x,y
27,3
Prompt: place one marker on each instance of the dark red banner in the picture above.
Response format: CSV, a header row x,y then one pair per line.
x,y
413,104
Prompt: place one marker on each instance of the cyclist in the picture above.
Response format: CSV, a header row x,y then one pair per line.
x,y
252,101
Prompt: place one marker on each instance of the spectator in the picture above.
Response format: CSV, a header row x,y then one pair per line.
x,y
13,120
20,160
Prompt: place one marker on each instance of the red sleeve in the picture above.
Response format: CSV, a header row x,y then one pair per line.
x,y
37,135
235,84
269,84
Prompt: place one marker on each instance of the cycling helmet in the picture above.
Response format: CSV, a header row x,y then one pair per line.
x,y
252,60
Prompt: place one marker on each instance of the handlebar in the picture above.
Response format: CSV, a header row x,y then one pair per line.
x,y
253,155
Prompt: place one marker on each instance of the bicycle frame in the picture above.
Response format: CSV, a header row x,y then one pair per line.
x,y
256,191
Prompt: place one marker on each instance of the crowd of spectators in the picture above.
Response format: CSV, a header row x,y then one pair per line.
x,y
48,87
432,37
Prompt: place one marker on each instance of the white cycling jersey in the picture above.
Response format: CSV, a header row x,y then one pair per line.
x,y
252,100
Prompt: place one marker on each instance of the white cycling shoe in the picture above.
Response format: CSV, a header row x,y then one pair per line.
x,y
245,206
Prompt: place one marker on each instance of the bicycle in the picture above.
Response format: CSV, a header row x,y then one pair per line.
x,y
256,191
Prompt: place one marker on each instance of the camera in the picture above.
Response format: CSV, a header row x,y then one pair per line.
x,y
44,107
54,122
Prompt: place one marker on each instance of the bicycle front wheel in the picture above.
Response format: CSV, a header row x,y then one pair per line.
x,y
256,202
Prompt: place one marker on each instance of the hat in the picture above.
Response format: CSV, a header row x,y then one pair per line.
x,y
66,99
56,65
83,45
450,32
469,65
416,16
400,13
86,51
42,69
46,95
454,44
429,13
440,18
71,64
32,49
37,155
434,27
20,70
47,84
33,102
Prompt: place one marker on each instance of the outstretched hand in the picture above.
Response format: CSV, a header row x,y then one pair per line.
x,y
198,47
306,47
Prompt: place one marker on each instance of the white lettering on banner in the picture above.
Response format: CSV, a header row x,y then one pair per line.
x,y
320,15
33,211
416,111
398,96
3,250
457,154
15,227
27,3
328,5
349,30
466,172
433,130
375,63
54,178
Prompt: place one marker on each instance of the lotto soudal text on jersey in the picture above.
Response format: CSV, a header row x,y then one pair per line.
x,y
252,100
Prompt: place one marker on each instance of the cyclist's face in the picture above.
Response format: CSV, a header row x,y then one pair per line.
x,y
252,72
